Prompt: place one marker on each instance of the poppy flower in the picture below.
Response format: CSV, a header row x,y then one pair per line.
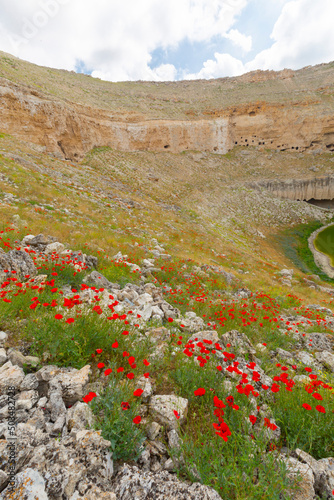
x,y
125,332
146,375
137,420
58,316
320,408
89,397
130,376
252,419
146,363
100,365
306,406
108,371
138,392
199,392
176,414
125,405
70,320
120,369
115,344
317,396
99,351
275,388
170,320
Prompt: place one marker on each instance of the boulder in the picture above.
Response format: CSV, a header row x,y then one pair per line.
x,y
131,483
29,486
162,407
18,261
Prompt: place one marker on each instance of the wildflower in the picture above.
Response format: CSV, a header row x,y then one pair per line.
x,y
58,316
306,406
317,396
125,405
199,392
176,414
130,376
320,408
138,392
115,344
100,365
98,351
170,320
70,320
275,388
89,397
125,332
108,371
146,363
146,375
252,419
120,369
137,420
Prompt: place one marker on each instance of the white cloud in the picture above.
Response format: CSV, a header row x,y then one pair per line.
x,y
114,38
239,39
303,35
222,65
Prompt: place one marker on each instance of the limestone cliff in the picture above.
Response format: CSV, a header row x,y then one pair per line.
x,y
65,127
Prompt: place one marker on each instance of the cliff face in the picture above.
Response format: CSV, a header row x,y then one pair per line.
x,y
321,188
70,129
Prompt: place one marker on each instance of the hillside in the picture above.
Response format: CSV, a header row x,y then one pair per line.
x,y
166,332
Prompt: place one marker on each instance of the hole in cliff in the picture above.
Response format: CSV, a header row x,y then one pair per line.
x,y
330,147
167,146
322,203
215,148
252,113
236,142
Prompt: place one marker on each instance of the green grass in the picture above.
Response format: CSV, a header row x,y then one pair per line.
x,y
293,242
324,242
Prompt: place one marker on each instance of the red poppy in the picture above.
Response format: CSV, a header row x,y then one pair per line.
x,y
137,420
70,320
108,371
100,365
130,376
120,369
138,392
317,396
98,351
146,363
115,344
58,316
89,397
199,392
275,388
252,419
306,406
176,414
320,408
146,375
125,332
125,405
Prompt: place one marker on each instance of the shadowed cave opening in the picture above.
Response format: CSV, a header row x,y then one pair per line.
x,y
321,203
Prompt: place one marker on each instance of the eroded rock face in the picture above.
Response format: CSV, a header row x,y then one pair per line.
x,y
71,130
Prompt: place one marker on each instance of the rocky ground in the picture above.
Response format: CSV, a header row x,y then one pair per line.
x,y
60,455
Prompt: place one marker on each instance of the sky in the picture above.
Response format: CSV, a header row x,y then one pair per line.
x,y
166,40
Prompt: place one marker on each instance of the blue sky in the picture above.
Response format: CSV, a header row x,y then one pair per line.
x,y
168,39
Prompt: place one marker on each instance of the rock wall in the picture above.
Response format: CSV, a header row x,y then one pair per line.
x,y
71,130
318,188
